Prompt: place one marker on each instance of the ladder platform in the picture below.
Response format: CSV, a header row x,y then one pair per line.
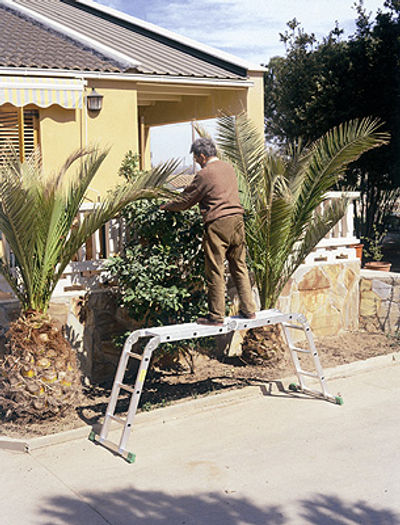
x,y
179,332
163,334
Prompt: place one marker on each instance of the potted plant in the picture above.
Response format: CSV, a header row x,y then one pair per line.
x,y
373,252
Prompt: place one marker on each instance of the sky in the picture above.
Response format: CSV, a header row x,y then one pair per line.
x,y
248,29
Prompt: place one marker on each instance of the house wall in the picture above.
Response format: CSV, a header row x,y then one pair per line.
x,y
255,100
115,127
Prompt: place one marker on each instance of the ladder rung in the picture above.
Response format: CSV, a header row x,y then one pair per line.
x,y
126,387
117,419
301,350
294,326
136,356
308,374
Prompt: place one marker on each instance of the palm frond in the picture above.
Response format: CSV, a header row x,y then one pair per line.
x,y
37,216
282,192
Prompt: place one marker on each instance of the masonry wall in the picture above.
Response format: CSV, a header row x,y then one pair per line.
x,y
380,301
327,294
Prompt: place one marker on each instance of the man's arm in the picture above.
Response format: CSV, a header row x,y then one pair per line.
x,y
190,196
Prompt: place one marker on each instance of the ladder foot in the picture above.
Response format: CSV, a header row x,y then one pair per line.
x,y
339,400
293,387
131,457
92,436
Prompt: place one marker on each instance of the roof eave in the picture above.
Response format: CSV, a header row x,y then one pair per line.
x,y
132,77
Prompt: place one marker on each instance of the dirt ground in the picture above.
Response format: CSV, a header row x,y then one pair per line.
x,y
211,376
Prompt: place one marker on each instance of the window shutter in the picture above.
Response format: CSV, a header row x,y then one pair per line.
x,y
9,132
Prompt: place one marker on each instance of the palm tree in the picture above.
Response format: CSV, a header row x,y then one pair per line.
x,y
39,372
281,193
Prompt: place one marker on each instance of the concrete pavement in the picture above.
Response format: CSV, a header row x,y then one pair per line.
x,y
243,457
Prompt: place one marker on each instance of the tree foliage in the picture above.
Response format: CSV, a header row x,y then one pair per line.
x,y
318,85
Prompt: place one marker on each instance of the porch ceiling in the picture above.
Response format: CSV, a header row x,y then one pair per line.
x,y
151,95
163,104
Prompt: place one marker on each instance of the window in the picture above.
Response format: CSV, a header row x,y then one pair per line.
x,y
20,128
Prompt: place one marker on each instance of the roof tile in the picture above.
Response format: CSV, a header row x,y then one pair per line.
x,y
27,43
157,54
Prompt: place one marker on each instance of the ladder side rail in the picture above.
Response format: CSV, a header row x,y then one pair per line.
x,y
317,363
293,356
135,398
119,376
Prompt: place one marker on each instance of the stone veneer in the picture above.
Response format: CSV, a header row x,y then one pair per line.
x,y
327,294
380,301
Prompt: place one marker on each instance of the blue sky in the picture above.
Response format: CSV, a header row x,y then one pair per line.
x,y
246,28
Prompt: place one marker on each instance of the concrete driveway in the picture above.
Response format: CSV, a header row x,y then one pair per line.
x,y
247,457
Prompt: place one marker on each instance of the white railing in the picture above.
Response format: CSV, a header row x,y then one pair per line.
x,y
85,272
340,242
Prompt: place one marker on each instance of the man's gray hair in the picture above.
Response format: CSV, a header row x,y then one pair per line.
x,y
204,146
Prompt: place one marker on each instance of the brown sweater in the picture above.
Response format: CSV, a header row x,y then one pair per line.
x,y
215,188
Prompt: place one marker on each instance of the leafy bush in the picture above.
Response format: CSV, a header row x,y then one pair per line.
x,y
373,245
160,276
130,169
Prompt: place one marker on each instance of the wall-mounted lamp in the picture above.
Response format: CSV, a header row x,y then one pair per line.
x,y
94,101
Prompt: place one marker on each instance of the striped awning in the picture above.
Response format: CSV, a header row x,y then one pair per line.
x,y
43,92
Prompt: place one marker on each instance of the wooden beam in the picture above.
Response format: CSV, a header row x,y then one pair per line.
x,y
146,103
142,143
162,97
173,90
21,141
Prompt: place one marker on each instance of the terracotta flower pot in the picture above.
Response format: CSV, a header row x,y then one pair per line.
x,y
359,249
379,266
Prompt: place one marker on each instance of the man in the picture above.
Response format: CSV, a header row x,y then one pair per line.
x,y
215,189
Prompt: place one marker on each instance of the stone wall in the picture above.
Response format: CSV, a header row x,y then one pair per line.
x,y
380,301
327,294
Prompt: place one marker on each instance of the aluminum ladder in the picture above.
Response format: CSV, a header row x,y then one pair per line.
x,y
181,332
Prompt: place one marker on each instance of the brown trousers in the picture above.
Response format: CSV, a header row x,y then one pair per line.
x,y
224,239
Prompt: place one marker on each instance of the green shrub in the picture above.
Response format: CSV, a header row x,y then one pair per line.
x,y
160,276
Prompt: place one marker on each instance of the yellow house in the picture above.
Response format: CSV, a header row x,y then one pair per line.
x,y
59,59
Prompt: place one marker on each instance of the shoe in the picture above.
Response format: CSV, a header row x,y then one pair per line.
x,y
208,321
247,316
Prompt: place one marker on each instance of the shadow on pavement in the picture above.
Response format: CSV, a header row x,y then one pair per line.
x,y
159,394
331,510
137,507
